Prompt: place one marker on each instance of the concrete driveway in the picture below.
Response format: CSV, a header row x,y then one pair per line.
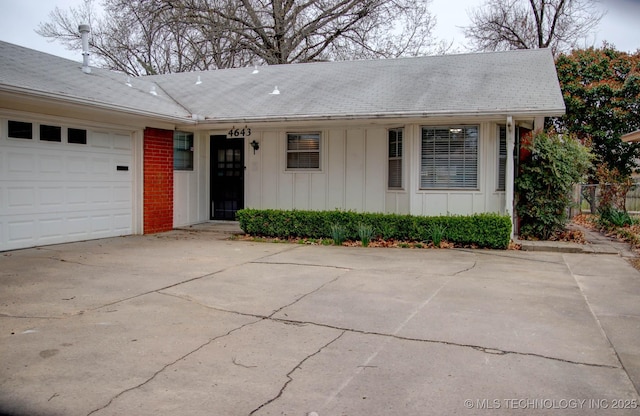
x,y
190,323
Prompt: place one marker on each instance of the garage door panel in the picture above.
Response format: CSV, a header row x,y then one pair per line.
x,y
77,164
21,198
50,229
59,192
77,225
52,197
121,142
20,163
21,231
52,164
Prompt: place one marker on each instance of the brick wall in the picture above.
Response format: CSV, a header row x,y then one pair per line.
x,y
158,180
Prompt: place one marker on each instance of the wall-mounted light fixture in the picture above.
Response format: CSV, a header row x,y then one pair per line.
x,y
255,145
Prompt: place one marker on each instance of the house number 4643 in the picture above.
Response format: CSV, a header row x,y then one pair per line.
x,y
238,133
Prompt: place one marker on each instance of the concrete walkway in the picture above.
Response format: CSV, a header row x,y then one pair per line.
x,y
189,322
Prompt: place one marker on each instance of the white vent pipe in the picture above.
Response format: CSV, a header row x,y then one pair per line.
x,y
84,33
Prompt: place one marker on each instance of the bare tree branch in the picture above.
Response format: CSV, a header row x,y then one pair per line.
x,y
160,36
518,24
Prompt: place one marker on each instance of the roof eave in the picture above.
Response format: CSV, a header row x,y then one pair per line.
x,y
554,112
97,105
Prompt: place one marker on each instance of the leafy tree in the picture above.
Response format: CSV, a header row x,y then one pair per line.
x,y
160,36
545,181
520,24
601,89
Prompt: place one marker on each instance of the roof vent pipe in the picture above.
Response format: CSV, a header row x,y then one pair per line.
x,y
84,33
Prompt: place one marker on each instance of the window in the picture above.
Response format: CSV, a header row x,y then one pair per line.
x,y
502,156
50,133
20,130
77,136
182,151
395,159
303,151
449,158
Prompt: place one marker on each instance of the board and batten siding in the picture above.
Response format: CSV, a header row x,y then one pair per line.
x,y
191,187
353,175
460,202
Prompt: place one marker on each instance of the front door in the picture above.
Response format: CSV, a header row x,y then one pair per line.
x,y
227,177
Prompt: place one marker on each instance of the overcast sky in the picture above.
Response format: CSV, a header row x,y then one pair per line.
x,y
620,26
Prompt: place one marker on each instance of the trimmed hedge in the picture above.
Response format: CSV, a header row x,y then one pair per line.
x,y
482,230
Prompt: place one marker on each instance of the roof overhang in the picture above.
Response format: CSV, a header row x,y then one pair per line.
x,y
275,120
58,104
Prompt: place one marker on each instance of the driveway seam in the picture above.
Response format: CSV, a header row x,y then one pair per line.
x,y
597,319
288,375
161,370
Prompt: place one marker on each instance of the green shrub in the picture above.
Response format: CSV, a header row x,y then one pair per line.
x,y
482,230
545,182
612,216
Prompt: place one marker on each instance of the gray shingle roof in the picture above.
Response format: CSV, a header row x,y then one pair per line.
x,y
514,82
30,71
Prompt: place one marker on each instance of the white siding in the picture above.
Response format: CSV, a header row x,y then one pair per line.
x,y
353,174
191,188
350,176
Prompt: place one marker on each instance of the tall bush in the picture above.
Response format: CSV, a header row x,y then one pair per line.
x,y
545,180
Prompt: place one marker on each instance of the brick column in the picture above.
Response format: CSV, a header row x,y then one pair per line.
x,y
158,180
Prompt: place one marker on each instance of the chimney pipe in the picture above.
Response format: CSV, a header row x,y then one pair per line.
x,y
84,32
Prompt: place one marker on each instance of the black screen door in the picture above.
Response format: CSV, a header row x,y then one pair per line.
x,y
227,177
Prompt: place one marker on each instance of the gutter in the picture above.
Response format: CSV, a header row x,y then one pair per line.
x,y
557,112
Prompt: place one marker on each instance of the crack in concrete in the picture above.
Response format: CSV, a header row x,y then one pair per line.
x,y
161,370
305,295
326,266
473,266
486,350
182,282
297,367
4,315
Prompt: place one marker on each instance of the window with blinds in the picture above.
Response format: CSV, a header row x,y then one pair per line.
x,y
303,151
395,159
449,158
182,151
502,156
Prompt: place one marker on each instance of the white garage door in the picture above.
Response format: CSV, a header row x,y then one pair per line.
x,y
63,190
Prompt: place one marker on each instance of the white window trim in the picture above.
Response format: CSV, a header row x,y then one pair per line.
x,y
501,160
400,158
287,151
476,188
